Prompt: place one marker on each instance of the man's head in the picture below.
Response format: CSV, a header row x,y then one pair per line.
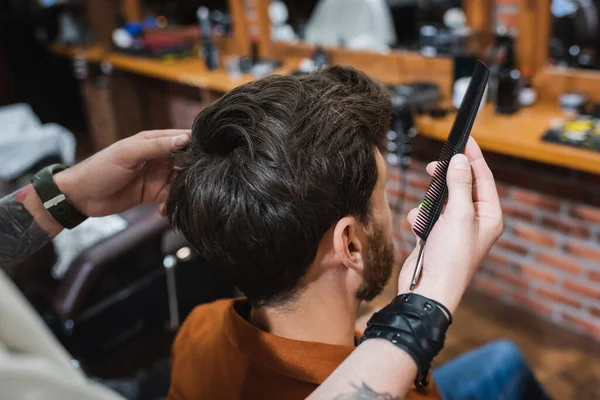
x,y
281,168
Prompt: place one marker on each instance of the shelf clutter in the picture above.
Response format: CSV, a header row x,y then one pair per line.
x,y
517,135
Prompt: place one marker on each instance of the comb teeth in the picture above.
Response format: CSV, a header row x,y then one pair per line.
x,y
436,195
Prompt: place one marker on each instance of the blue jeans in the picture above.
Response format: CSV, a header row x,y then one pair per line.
x,y
496,371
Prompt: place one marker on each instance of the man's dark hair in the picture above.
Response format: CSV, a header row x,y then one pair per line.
x,y
271,167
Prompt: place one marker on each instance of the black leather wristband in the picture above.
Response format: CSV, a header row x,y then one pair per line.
x,y
54,200
415,324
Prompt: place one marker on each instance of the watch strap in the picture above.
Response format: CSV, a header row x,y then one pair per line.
x,y
54,200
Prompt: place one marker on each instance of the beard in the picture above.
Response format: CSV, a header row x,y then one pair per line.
x,y
378,268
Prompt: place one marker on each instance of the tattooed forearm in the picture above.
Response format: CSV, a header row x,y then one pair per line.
x,y
364,392
20,234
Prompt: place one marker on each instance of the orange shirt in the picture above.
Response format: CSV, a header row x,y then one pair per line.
x,y
219,355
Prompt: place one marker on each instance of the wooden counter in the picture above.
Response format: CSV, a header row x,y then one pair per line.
x,y
191,72
517,135
95,53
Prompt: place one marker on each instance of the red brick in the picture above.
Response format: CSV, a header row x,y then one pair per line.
x,y
534,234
594,276
512,246
580,250
497,258
400,255
404,225
503,190
565,226
419,181
535,199
488,286
582,324
532,272
409,205
395,175
595,311
533,305
510,279
586,213
517,211
395,195
581,289
559,262
419,167
552,294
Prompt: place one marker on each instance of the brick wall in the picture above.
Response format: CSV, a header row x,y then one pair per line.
x,y
548,259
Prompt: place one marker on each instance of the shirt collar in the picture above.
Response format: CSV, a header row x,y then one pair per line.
x,y
305,361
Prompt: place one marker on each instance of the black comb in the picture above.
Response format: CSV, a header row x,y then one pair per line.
x,y
436,195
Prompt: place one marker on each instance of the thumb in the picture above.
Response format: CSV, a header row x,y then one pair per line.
x,y
149,149
460,187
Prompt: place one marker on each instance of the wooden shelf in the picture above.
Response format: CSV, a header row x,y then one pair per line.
x,y
518,135
191,72
554,81
94,53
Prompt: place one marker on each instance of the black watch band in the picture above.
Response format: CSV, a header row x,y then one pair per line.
x,y
415,324
54,200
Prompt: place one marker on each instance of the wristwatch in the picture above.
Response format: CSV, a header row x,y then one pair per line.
x,y
54,200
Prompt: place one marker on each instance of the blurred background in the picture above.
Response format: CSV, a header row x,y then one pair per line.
x,y
78,75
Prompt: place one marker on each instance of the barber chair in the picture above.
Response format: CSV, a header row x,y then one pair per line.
x,y
121,301
119,304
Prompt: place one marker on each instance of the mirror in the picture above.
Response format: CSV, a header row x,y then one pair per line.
x,y
183,12
575,34
431,26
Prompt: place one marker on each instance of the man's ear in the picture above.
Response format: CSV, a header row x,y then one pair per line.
x,y
347,245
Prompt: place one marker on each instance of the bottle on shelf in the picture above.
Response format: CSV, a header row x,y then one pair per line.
x,y
210,52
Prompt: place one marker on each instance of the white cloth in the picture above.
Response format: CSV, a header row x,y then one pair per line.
x,y
33,364
72,242
364,24
24,141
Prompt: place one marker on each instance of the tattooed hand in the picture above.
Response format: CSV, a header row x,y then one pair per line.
x,y
364,392
130,172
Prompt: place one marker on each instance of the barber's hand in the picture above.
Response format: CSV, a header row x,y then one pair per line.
x,y
468,227
132,171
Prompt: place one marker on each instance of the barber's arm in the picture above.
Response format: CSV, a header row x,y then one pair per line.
x,y
130,172
138,170
467,229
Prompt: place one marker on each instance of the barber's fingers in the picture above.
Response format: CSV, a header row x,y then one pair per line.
x,y
461,178
460,188
484,184
134,153
431,167
145,135
412,216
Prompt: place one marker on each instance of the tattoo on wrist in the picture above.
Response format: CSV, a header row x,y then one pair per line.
x,y
20,234
364,392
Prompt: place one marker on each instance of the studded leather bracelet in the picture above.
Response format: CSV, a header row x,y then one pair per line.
x,y
415,324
